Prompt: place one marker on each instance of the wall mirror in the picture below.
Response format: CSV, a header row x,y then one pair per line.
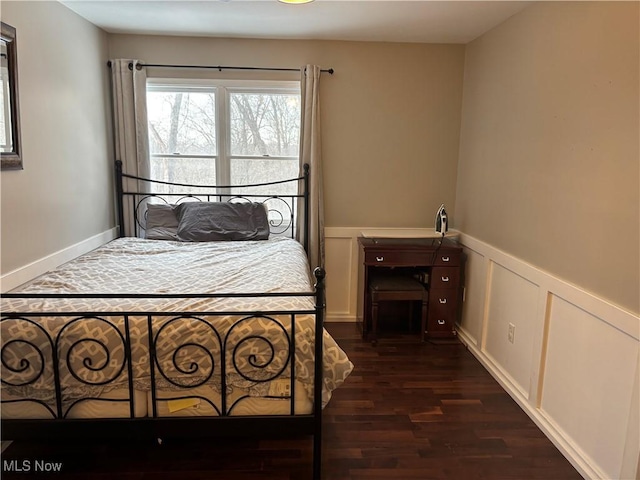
x,y
10,158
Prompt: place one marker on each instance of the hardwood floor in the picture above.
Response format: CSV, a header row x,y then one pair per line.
x,y
408,411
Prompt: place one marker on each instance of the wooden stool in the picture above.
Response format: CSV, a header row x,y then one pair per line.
x,y
396,288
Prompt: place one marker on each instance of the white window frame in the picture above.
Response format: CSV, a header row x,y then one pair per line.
x,y
222,90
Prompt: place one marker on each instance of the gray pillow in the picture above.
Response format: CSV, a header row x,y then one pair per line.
x,y
208,221
162,223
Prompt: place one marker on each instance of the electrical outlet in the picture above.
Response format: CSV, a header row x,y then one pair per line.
x,y
512,332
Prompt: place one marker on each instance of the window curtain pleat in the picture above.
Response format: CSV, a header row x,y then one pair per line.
x,y
129,94
310,153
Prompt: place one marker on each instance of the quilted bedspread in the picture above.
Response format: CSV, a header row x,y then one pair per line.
x,y
92,349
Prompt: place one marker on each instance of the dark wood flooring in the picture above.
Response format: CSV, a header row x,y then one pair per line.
x,y
408,411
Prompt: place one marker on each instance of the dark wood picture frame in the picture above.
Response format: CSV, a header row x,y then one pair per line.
x,y
12,159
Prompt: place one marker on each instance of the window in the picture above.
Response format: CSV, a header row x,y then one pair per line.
x,y
224,133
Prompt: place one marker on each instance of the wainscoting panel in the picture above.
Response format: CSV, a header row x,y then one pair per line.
x,y
588,382
341,280
573,366
512,305
473,307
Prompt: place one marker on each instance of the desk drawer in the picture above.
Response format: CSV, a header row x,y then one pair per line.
x,y
442,313
396,258
443,301
444,277
447,259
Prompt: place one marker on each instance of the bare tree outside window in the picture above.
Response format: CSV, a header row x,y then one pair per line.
x,y
182,136
265,131
222,135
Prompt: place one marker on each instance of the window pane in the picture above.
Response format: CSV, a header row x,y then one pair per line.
x,y
182,122
259,170
265,124
200,171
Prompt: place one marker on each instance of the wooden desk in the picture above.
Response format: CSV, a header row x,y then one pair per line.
x,y
442,264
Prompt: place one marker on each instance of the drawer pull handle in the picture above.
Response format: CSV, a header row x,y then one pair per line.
x,y
445,279
379,259
443,300
441,322
445,259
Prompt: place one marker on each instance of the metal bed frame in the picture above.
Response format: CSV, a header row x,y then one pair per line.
x,y
56,356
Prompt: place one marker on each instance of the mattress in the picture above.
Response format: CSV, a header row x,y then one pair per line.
x,y
205,401
218,338
115,404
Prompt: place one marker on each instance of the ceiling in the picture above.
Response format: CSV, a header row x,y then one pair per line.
x,y
422,21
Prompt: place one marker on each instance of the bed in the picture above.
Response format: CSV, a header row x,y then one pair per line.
x,y
175,333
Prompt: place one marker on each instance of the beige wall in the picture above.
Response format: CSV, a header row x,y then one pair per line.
x,y
549,151
548,167
63,195
390,116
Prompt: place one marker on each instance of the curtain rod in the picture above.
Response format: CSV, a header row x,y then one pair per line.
x,y
219,67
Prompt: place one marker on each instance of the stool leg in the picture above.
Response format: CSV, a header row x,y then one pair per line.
x,y
424,319
374,320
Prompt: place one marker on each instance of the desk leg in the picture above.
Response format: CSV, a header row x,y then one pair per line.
x,y
374,319
423,316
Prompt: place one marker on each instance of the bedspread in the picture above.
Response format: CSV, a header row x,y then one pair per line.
x,y
92,349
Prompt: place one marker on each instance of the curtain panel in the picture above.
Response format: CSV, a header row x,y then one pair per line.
x,y
310,153
129,94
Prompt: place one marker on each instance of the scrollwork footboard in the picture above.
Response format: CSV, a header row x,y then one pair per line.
x,y
119,374
84,359
60,362
247,357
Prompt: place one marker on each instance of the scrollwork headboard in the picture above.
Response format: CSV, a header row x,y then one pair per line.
x,y
134,193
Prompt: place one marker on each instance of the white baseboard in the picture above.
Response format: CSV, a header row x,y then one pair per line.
x,y
21,275
340,317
